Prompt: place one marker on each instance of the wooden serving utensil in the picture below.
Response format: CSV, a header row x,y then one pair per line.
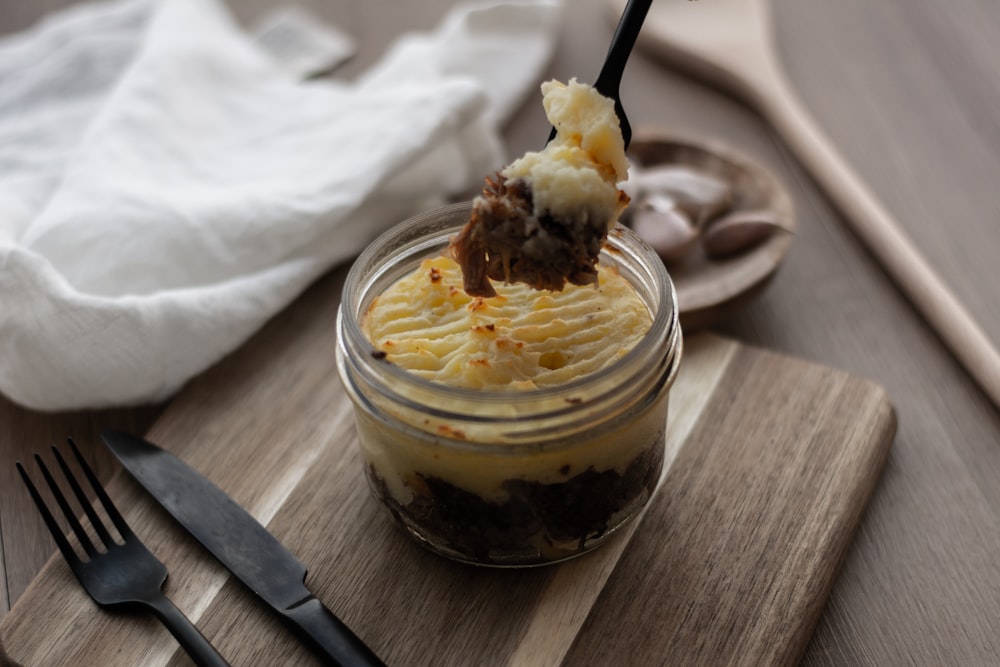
x,y
730,44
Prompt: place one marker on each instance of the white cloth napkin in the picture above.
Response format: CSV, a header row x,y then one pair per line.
x,y
166,186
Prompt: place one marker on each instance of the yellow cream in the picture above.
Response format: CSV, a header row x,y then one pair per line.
x,y
522,339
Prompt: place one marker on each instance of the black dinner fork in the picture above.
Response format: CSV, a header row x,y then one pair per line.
x,y
610,78
125,575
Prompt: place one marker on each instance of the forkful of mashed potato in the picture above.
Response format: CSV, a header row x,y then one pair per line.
x,y
542,219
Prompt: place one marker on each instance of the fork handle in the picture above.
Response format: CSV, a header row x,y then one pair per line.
x,y
187,635
624,38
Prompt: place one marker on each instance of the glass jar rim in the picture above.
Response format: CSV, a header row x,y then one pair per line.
x,y
620,240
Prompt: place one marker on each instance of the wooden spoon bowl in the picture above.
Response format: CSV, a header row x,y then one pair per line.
x,y
730,44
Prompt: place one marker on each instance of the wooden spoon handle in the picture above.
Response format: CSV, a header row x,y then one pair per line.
x,y
880,233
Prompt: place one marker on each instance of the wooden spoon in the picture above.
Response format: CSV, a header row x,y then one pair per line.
x,y
730,43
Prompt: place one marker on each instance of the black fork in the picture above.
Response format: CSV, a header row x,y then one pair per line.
x,y
125,575
609,80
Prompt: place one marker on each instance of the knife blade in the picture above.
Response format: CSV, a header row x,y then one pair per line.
x,y
242,545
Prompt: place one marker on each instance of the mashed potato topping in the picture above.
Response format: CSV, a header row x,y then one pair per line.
x,y
519,340
580,168
542,220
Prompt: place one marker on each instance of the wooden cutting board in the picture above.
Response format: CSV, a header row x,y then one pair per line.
x,y
771,461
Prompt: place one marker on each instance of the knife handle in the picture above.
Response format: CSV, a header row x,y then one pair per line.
x,y
327,634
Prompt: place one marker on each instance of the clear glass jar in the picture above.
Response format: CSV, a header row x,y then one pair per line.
x,y
509,478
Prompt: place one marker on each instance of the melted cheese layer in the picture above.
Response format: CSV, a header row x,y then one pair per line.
x,y
521,339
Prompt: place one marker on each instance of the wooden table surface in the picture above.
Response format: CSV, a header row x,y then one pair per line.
x,y
908,91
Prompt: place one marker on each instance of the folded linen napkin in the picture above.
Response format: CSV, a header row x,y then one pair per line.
x,y
166,186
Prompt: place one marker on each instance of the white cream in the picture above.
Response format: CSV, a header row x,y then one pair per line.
x,y
578,171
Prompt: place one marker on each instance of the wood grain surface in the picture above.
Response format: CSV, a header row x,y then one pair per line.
x,y
771,463
907,91
705,41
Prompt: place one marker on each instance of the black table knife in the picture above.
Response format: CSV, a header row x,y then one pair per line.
x,y
242,545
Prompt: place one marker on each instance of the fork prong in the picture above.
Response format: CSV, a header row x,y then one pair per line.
x,y
67,511
95,520
57,532
109,507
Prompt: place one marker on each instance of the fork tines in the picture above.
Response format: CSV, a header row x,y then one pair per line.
x,y
125,575
71,516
